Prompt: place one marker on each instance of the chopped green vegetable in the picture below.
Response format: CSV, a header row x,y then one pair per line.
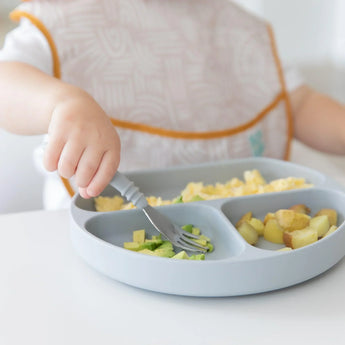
x,y
187,227
147,252
166,244
178,200
200,241
139,236
132,245
196,198
210,247
156,246
164,252
195,231
182,255
197,257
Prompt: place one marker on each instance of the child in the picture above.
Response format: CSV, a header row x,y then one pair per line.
x,y
177,82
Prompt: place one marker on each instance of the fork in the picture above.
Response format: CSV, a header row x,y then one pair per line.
x,y
175,234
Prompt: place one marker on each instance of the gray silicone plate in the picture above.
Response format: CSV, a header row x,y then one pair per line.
x,y
235,267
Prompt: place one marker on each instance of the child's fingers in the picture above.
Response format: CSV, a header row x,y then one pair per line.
x,y
88,166
104,174
69,159
83,193
52,154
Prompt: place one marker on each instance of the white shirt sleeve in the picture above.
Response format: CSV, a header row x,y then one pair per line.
x,y
27,44
293,78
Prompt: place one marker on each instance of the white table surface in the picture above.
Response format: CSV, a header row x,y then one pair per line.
x,y
48,295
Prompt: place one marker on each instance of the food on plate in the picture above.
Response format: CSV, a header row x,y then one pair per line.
x,y
104,203
300,208
252,183
300,238
248,233
247,216
269,216
320,224
258,225
273,232
332,215
330,231
291,220
293,226
156,246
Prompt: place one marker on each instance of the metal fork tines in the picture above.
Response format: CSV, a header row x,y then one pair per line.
x,y
176,235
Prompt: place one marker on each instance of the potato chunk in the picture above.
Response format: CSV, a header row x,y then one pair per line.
x,y
248,233
258,225
273,232
300,238
290,220
245,217
269,216
300,208
330,231
331,213
320,224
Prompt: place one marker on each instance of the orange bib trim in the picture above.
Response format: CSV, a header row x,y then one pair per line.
x,y
17,15
198,135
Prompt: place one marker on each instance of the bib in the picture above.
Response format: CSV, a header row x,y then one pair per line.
x,y
184,82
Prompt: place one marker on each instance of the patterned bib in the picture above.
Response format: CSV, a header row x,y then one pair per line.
x,y
184,81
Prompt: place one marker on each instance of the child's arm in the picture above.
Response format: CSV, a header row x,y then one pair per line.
x,y
319,121
82,141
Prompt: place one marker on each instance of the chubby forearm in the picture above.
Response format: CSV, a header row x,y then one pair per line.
x,y
82,141
28,98
319,120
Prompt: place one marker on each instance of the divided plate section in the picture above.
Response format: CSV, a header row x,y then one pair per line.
x,y
168,183
261,204
117,227
234,268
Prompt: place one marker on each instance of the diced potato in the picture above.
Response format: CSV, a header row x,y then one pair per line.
x,y
248,233
300,238
320,224
269,216
290,220
300,208
331,213
273,232
245,217
330,231
258,225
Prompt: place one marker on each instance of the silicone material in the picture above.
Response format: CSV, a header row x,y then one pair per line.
x,y
235,267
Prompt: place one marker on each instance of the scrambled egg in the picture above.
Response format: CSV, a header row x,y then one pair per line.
x,y
253,183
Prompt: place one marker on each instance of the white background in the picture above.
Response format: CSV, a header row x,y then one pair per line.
x,y
310,34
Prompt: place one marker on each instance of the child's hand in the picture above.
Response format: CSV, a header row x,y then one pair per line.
x,y
82,142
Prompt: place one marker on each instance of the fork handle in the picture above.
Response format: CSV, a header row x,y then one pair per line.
x,y
128,190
